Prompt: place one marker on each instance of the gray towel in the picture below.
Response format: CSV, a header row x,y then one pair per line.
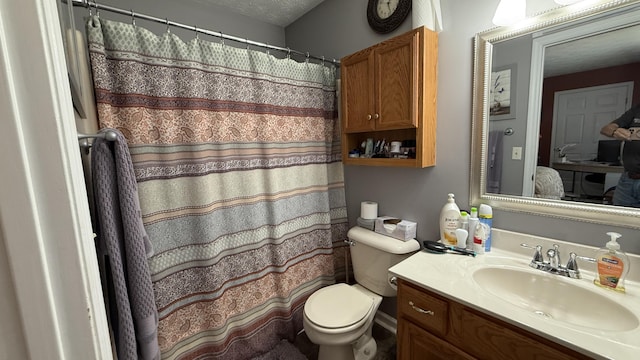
x,y
122,237
494,161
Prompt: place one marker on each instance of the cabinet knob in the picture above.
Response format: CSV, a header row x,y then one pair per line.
x,y
376,116
369,117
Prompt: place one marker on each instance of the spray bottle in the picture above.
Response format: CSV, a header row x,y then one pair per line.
x,y
485,214
473,222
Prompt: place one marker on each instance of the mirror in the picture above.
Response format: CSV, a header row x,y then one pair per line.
x,y
508,96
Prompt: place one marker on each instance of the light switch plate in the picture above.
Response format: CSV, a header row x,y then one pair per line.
x,y
516,153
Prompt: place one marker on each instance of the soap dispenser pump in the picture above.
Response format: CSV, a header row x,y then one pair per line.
x,y
612,265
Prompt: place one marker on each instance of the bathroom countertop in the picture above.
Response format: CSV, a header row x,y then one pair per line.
x,y
450,275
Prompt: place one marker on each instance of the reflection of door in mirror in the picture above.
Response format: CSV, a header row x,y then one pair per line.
x,y
579,115
587,82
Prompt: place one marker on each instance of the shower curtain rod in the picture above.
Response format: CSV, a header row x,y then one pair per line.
x,y
288,51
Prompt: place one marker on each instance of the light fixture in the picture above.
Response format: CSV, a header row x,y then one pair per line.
x,y
509,12
566,2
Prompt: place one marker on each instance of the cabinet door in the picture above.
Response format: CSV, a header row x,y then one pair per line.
x,y
357,73
419,344
397,86
482,336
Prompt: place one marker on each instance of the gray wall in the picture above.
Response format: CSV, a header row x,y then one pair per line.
x,y
514,52
337,28
192,13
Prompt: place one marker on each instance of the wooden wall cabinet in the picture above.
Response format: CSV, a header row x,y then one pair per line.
x,y
433,327
388,91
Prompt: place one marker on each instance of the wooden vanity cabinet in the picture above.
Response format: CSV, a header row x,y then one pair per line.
x,y
388,91
433,327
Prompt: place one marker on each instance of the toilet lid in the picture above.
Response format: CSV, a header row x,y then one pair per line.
x,y
337,306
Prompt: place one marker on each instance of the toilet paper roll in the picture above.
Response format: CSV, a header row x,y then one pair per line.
x,y
368,210
426,13
395,146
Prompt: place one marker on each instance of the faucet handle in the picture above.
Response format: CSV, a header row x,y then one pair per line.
x,y
537,256
556,249
553,256
572,264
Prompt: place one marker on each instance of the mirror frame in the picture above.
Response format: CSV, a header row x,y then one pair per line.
x,y
586,212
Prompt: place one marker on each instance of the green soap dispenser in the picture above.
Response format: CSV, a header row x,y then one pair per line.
x,y
612,265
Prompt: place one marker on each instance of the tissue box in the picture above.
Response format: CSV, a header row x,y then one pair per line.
x,y
369,224
396,228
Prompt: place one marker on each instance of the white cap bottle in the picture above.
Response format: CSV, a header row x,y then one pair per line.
x,y
449,221
473,222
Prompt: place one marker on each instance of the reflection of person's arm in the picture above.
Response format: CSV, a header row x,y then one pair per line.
x,y
616,132
614,129
609,130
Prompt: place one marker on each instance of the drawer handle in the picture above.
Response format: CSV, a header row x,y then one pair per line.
x,y
422,311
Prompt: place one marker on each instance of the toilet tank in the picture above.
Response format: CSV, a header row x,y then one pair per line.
x,y
372,255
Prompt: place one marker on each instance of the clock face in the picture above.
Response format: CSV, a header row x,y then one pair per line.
x,y
385,16
386,8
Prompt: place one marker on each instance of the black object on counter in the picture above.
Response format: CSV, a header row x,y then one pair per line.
x,y
437,247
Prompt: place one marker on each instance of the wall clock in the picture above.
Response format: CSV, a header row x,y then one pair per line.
x,y
385,16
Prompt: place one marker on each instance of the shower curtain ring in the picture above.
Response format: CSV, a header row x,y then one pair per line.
x,y
95,4
221,38
246,42
322,60
195,28
307,57
267,47
288,53
168,29
133,18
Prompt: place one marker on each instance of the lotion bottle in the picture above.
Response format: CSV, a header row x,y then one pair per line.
x,y
612,265
464,220
449,221
473,222
464,225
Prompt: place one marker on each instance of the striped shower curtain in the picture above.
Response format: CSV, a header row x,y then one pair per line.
x,y
237,159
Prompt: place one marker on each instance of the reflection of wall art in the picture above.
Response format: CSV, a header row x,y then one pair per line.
x,y
502,93
67,24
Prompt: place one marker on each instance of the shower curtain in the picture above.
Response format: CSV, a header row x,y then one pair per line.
x,y
236,155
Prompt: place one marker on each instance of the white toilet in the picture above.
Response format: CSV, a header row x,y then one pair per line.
x,y
339,318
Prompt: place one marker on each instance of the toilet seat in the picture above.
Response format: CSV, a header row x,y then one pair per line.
x,y
338,306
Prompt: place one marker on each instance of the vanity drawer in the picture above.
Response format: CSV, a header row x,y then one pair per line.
x,y
483,335
426,310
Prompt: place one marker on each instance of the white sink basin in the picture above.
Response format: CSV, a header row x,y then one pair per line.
x,y
554,297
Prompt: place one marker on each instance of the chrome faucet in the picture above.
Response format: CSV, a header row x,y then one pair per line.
x,y
554,265
554,256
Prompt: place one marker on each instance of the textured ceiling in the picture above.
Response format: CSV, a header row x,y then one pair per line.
x,y
608,49
276,12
